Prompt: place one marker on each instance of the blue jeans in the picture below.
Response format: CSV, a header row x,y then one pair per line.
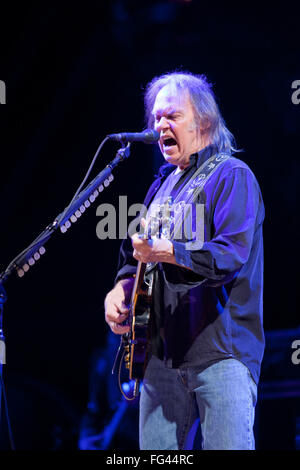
x,y
221,398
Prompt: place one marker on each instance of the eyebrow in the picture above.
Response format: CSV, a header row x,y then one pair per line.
x,y
170,110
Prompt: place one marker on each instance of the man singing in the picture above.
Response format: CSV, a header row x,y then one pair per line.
x,y
207,327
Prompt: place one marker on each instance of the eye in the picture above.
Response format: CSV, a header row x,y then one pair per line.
x,y
173,116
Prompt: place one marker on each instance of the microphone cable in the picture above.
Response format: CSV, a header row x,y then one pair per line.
x,y
84,179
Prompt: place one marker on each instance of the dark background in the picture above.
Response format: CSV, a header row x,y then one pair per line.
x,y
73,74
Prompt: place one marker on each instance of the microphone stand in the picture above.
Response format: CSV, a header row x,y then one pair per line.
x,y
28,257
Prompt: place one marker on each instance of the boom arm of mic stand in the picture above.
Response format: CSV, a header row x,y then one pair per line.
x,y
31,254
89,194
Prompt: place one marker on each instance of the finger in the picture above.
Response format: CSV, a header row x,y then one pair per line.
x,y
113,312
139,243
124,310
120,306
116,307
137,256
119,329
115,317
135,236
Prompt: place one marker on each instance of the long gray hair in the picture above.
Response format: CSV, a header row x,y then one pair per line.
x,y
203,101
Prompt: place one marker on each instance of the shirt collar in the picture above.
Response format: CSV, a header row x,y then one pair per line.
x,y
204,154
197,159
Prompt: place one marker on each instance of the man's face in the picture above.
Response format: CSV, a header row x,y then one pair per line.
x,y
174,120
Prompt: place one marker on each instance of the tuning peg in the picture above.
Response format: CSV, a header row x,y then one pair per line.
x,y
100,189
87,204
82,209
31,261
20,272
73,218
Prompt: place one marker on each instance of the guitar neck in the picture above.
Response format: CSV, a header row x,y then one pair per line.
x,y
140,271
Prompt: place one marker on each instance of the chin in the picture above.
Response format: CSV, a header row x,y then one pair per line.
x,y
171,159
175,161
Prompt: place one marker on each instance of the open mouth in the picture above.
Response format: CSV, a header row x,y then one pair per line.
x,y
169,142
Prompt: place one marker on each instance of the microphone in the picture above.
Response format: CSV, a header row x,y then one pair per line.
x,y
149,136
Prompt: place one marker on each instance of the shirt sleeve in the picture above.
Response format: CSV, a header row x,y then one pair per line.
x,y
234,207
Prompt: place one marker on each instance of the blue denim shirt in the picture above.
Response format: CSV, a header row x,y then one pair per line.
x,y
214,309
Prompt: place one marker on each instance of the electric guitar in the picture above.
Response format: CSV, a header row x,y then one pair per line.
x,y
137,341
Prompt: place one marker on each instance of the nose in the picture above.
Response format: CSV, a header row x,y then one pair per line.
x,y
162,124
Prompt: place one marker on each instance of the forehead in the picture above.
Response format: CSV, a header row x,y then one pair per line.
x,y
169,98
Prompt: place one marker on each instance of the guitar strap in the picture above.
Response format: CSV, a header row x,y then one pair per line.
x,y
191,190
195,184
